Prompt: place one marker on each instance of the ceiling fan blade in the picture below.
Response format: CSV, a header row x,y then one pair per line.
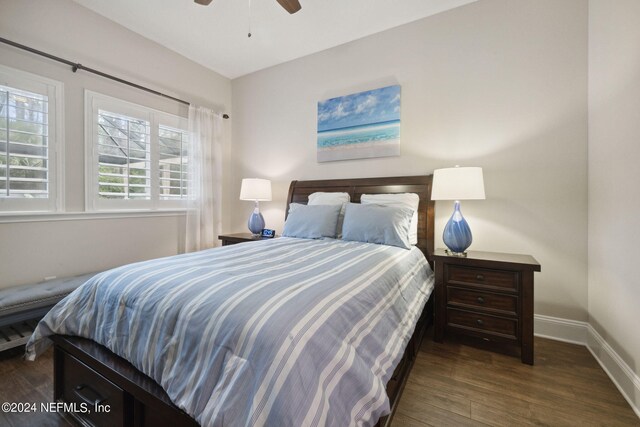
x,y
291,6
203,2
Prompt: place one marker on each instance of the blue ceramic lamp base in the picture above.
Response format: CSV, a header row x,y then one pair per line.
x,y
457,234
256,221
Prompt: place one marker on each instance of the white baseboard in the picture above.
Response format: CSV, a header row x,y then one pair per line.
x,y
620,373
575,332
555,328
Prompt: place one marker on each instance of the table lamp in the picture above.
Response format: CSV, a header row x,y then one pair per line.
x,y
258,190
457,184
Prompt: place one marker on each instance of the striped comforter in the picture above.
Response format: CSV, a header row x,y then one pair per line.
x,y
284,332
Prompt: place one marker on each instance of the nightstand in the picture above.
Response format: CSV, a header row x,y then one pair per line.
x,y
487,297
232,239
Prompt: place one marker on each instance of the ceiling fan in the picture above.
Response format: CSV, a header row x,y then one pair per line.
x,y
291,6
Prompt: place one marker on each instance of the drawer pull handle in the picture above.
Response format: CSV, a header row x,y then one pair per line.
x,y
80,392
479,276
479,322
480,300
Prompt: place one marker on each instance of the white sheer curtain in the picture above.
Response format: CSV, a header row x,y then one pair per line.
x,y
203,215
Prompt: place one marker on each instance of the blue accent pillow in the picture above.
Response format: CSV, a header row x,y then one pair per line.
x,y
384,225
312,221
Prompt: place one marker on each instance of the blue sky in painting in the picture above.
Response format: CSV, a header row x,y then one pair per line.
x,y
374,106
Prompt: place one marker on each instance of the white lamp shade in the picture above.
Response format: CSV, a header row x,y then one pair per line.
x,y
255,189
457,184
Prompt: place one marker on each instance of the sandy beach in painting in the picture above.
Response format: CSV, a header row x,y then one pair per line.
x,y
357,142
360,150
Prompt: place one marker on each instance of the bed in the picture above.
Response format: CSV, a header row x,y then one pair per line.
x,y
226,382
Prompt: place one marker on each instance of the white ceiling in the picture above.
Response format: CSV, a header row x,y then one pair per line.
x,y
216,35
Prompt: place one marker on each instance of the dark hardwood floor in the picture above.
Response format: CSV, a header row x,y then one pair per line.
x,y
450,385
456,385
32,382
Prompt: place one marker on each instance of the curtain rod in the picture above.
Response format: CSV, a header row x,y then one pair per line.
x,y
75,66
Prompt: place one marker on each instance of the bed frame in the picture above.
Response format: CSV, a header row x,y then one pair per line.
x,y
87,373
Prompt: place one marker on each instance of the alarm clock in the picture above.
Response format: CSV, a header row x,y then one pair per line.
x,y
267,232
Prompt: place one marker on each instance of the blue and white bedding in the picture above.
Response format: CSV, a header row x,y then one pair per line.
x,y
282,332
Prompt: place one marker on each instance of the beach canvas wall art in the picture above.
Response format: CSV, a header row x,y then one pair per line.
x,y
361,125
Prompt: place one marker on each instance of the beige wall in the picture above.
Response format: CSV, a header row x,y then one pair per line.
x,y
30,251
500,84
614,176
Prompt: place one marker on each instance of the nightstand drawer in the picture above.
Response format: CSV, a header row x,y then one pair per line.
x,y
484,278
505,304
500,326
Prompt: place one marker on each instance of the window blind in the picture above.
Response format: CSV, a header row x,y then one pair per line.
x,y
124,157
24,168
173,163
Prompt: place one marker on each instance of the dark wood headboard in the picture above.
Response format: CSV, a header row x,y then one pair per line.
x,y
421,185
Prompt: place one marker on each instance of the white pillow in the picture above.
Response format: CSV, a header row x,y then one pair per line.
x,y
322,198
402,200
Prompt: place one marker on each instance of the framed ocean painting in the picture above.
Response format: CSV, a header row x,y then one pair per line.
x,y
359,126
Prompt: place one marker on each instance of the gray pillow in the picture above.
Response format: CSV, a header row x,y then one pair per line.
x,y
312,221
370,223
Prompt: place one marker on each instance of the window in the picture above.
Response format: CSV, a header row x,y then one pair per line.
x,y
124,157
173,163
139,156
30,142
